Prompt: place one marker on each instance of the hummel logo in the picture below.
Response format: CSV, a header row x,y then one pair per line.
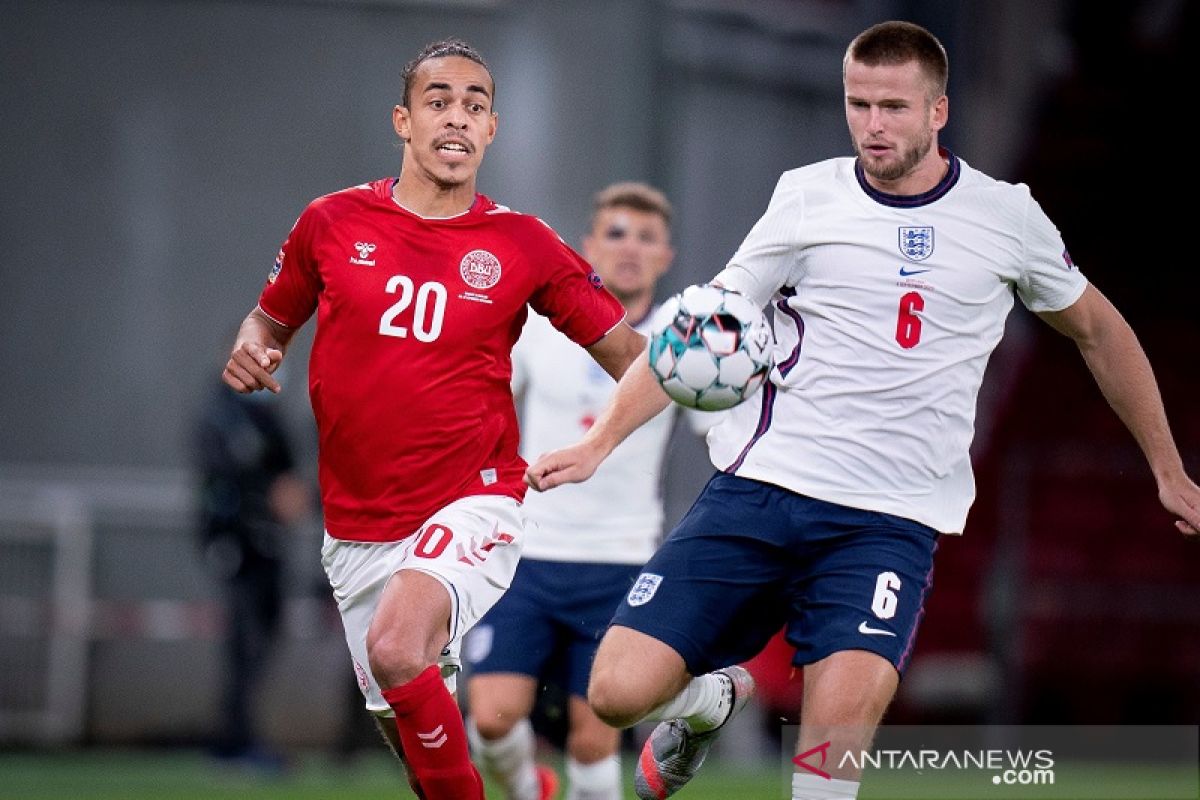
x,y
904,273
434,739
863,627
364,254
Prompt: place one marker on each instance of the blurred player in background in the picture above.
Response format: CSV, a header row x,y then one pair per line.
x,y
586,543
891,275
421,287
251,499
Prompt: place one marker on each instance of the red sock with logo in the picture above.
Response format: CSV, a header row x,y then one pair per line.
x,y
434,738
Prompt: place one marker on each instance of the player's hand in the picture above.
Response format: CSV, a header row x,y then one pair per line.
x,y
1181,496
250,368
571,465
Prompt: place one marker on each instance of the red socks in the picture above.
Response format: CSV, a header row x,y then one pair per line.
x,y
434,739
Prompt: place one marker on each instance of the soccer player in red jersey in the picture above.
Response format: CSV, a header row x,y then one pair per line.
x,y
421,287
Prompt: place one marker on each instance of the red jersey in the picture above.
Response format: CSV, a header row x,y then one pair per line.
x,y
411,362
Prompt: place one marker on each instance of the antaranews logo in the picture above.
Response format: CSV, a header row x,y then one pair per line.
x,y
1008,767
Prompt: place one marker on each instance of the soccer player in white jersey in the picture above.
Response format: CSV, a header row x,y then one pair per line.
x,y
421,286
586,543
891,275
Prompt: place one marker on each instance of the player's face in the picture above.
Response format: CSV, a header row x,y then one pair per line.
x,y
630,250
449,121
893,121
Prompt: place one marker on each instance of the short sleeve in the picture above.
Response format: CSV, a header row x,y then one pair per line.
x,y
290,296
767,256
1049,279
571,294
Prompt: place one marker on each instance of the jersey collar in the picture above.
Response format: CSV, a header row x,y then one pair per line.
x,y
912,200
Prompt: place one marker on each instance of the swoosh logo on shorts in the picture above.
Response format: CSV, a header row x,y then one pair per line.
x,y
863,627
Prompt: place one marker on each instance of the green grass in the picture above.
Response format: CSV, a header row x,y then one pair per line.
x,y
189,775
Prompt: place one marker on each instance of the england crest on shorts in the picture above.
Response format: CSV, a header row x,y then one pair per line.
x,y
916,242
643,589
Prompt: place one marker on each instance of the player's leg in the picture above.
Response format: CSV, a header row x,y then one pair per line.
x,y
845,697
633,674
405,607
593,761
590,592
386,726
860,603
507,652
501,736
410,628
711,597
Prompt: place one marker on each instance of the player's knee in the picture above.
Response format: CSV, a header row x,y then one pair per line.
x,y
592,744
493,724
395,662
614,701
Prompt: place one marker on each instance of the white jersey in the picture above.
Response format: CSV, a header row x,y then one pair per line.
x,y
615,516
886,310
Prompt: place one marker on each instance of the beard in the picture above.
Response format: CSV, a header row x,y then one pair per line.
x,y
910,157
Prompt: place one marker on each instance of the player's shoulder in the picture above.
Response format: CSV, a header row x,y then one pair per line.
x,y
999,196
351,199
517,223
795,184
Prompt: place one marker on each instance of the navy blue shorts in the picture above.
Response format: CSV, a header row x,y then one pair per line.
x,y
749,558
549,623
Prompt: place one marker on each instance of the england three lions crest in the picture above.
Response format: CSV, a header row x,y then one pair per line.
x,y
916,242
643,589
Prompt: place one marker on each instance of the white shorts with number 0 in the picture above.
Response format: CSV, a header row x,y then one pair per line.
x,y
471,546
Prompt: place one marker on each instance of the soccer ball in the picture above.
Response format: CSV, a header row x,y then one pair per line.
x,y
710,348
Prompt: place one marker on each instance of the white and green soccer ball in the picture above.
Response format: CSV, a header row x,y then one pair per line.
x,y
710,348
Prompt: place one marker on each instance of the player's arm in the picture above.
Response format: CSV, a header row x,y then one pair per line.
x,y
637,399
257,353
1116,359
619,348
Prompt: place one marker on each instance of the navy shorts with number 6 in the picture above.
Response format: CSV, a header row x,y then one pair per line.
x,y
750,557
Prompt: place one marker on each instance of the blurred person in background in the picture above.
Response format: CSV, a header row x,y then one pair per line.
x,y
251,501
586,543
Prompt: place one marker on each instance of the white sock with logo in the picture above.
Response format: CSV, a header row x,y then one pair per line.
x,y
814,787
509,759
703,704
600,780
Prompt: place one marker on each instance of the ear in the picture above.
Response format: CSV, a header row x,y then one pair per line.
x,y
668,259
400,122
939,113
588,250
492,127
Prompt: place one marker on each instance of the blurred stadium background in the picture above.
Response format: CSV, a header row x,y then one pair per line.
x,y
155,153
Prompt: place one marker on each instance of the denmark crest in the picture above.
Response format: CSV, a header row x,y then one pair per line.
x,y
916,243
643,589
480,269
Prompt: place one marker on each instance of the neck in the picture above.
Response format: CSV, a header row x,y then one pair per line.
x,y
423,196
922,178
636,307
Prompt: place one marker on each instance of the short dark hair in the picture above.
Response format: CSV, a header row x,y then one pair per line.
x,y
444,48
894,43
631,194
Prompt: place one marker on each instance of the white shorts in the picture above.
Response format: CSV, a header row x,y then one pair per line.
x,y
471,546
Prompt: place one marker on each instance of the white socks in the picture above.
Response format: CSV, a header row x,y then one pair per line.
x,y
704,703
600,780
814,787
509,759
